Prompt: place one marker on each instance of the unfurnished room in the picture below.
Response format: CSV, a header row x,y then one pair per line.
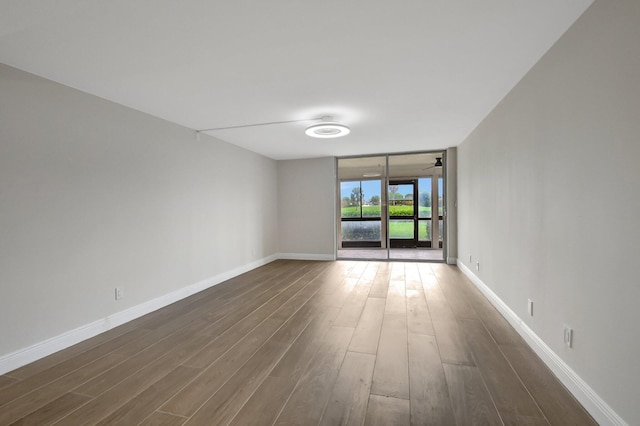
x,y
319,213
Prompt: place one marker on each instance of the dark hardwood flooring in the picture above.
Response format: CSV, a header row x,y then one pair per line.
x,y
302,343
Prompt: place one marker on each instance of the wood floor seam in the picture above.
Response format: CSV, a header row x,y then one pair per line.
x,y
171,414
388,396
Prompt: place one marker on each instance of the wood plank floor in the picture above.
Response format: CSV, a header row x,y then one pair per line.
x,y
302,343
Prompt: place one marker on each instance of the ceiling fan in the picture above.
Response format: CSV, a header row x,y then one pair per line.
x,y
438,163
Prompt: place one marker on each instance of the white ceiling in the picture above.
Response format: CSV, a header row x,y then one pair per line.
x,y
404,75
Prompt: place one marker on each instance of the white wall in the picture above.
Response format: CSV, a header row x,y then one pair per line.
x,y
451,181
306,215
94,195
549,200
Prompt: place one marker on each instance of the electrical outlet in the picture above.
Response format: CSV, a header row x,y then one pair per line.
x,y
470,259
119,293
568,336
477,266
530,307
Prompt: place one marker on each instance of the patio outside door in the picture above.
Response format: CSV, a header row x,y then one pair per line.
x,y
403,220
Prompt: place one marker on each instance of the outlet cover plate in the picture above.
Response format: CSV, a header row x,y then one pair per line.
x,y
568,336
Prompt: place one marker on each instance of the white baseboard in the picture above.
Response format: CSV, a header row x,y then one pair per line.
x,y
306,256
596,406
54,344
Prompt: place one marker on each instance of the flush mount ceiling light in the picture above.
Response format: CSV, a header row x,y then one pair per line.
x,y
327,128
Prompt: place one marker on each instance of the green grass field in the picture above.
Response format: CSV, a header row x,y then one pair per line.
x,y
405,230
374,211
397,229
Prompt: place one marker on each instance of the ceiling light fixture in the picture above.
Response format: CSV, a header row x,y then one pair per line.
x,y
327,129
438,163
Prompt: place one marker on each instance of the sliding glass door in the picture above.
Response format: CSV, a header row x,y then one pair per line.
x,y
390,206
362,214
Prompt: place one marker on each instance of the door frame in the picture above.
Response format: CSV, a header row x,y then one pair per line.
x,y
403,242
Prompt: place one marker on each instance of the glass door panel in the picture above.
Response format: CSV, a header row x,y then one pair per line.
x,y
362,226
371,198
424,231
440,211
401,229
401,200
364,232
424,172
424,211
